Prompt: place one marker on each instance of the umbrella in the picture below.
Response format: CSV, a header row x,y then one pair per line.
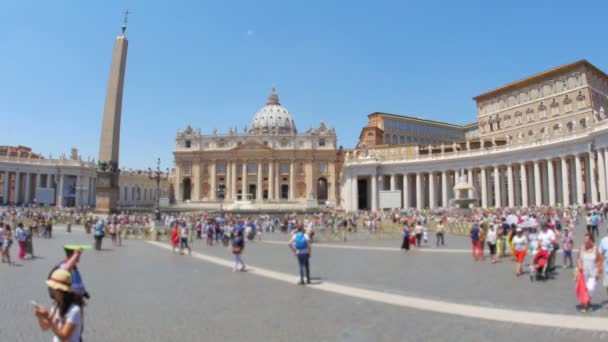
x,y
512,219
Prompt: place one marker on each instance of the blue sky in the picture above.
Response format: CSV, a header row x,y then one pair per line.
x,y
213,63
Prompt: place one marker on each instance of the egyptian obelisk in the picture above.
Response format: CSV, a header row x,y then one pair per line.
x,y
107,189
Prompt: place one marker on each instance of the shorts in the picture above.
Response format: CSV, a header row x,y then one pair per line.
x,y
567,254
492,248
520,256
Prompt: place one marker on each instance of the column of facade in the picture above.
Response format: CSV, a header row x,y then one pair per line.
x,y
523,172
260,187
213,182
195,182
228,180
270,180
244,196
292,180
565,182
601,172
551,181
374,190
537,193
393,183
511,186
233,174
277,181
484,192
406,191
444,189
178,183
593,179
432,190
419,204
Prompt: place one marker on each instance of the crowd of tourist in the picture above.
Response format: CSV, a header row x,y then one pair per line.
x,y
525,236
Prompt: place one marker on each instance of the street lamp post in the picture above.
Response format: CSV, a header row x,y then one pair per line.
x,y
221,192
158,175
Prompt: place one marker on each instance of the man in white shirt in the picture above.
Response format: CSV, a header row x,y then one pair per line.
x,y
546,241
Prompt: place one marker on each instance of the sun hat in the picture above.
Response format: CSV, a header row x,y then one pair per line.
x,y
60,280
518,230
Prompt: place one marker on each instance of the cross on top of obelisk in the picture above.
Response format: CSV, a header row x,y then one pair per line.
x,y
124,23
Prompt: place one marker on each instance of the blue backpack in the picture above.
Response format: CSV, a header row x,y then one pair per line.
x,y
595,220
300,242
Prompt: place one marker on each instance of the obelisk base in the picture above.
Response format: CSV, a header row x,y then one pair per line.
x,y
107,193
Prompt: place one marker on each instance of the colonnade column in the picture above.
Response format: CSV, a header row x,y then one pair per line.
x,y
292,180
260,187
228,180
431,190
537,193
39,181
470,181
355,193
497,196
565,182
601,170
244,181
7,188
418,190
17,187
444,189
406,191
579,179
60,190
511,188
551,176
374,192
484,192
523,172
28,188
593,197
270,180
393,183
213,179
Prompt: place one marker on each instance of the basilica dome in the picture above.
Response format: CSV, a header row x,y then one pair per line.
x,y
273,118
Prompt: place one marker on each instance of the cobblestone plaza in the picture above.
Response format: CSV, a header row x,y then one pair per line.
x,y
363,291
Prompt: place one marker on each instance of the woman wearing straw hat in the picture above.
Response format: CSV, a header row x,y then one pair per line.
x,y
65,316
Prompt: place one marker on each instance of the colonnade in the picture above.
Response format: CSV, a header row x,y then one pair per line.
x,y
20,187
566,179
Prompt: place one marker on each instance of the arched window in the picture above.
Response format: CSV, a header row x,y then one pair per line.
x,y
402,140
570,126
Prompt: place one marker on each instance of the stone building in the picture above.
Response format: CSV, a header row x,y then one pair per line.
x,y
267,166
542,141
70,180
391,129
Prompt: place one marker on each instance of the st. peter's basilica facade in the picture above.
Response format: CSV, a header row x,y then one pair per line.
x,y
268,166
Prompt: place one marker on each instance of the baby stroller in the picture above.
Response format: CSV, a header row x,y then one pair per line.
x,y
538,267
